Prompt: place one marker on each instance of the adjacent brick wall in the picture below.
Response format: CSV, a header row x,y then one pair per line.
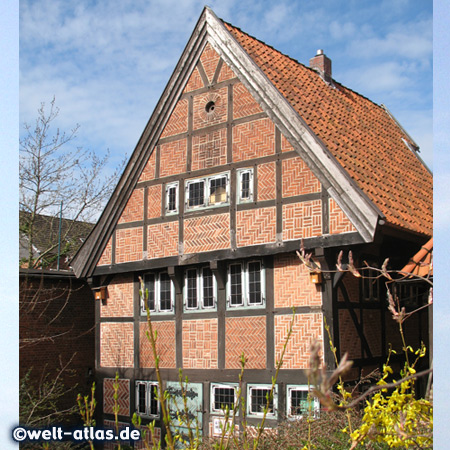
x,y
339,222
225,73
348,335
162,240
154,201
148,172
116,344
165,344
209,150
209,59
134,210
298,179
129,245
248,335
123,396
243,102
178,122
253,139
119,302
200,344
203,234
285,145
152,440
173,158
219,115
292,285
266,182
307,329
372,328
106,257
195,81
255,226
302,220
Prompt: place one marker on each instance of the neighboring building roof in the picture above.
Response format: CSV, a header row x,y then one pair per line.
x,y
421,264
361,135
359,153
46,233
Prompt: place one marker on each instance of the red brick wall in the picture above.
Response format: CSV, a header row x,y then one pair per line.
x,y
255,226
154,201
204,119
200,344
195,81
307,329
209,59
116,344
203,234
339,222
348,335
129,245
123,396
119,302
152,441
173,158
162,240
209,150
225,74
266,182
292,285
285,145
134,210
243,102
248,335
302,220
298,179
149,170
253,139
165,344
178,122
106,257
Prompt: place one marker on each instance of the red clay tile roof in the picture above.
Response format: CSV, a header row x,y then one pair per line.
x,y
421,263
361,135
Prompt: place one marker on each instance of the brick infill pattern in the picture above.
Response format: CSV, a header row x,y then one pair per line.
x,y
123,396
200,344
116,344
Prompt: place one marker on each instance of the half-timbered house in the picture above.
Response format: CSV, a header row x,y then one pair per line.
x,y
247,154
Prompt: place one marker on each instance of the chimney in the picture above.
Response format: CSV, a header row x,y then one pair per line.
x,y
321,64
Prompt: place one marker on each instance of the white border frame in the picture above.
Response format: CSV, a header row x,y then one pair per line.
x,y
315,410
149,385
211,398
268,387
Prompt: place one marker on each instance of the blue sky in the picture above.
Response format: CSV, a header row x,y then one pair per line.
x,y
107,63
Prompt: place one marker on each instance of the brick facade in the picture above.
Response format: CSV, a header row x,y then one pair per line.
x,y
178,122
162,240
173,158
154,201
123,396
302,220
244,104
129,245
266,182
209,150
339,222
119,302
255,226
200,344
165,344
116,344
245,335
134,211
298,179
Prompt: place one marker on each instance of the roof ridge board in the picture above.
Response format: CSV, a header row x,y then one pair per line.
x,y
86,257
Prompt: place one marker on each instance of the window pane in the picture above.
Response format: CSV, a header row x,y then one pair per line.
x,y
172,198
258,400
196,193
254,283
236,284
142,390
223,397
150,288
165,292
218,190
153,407
245,185
191,288
208,288
299,402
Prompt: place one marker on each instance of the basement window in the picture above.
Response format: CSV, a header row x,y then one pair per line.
x,y
300,403
208,191
161,293
147,399
200,289
257,400
223,396
246,284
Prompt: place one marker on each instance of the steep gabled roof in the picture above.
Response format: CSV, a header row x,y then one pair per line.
x,y
329,126
362,136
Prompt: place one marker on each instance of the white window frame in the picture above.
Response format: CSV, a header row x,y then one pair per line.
x,y
315,404
207,191
268,387
245,280
149,390
239,173
200,291
168,187
157,309
220,411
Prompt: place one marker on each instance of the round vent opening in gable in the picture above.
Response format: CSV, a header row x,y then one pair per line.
x,y
210,106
